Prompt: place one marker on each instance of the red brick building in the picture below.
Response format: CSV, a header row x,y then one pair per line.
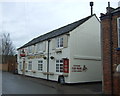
x,y
110,35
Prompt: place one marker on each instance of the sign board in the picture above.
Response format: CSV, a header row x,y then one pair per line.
x,y
79,68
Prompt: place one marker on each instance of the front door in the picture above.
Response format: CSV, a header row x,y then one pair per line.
x,y
23,66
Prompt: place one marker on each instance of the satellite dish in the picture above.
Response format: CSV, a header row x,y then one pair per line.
x,y
118,68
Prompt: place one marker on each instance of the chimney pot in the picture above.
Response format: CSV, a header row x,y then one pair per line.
x,y
91,4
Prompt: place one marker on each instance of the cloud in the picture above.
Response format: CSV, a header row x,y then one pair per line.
x,y
27,20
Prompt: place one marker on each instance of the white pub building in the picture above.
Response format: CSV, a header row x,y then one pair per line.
x,y
70,54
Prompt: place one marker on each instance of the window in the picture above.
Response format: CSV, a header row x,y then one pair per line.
x,y
118,32
41,47
30,49
30,65
20,65
40,65
59,42
59,65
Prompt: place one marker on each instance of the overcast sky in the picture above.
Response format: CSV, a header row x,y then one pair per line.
x,y
27,20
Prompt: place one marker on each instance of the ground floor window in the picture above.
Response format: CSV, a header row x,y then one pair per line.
x,y
20,65
30,65
59,65
40,65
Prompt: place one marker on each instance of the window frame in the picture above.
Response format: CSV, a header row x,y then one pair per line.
x,y
40,65
59,65
29,65
60,42
30,48
20,66
41,47
118,27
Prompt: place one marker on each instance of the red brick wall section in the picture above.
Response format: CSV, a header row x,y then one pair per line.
x,y
116,58
106,56
107,80
116,77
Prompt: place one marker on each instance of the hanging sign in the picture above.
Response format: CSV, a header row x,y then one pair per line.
x,y
35,56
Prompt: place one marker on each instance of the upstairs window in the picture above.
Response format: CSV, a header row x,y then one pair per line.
x,y
30,49
41,47
60,42
118,31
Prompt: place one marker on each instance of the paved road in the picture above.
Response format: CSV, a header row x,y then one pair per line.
x,y
17,84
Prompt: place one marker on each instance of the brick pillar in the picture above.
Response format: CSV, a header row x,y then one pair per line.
x,y
107,76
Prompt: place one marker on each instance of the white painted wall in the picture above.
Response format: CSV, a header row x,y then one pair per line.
x,y
52,63
52,66
85,44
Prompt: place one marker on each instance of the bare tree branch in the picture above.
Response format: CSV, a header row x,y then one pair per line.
x,y
7,47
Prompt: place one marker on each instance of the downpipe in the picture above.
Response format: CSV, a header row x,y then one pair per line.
x,y
48,59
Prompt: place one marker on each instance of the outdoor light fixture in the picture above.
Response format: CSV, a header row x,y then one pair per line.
x,y
52,57
44,57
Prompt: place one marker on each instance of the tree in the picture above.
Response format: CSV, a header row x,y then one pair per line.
x,y
7,47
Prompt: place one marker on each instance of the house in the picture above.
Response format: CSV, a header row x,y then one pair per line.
x,y
110,33
70,54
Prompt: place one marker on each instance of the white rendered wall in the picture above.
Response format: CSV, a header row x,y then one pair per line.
x,y
85,44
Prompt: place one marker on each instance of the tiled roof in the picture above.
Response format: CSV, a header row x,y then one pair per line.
x,y
116,10
57,32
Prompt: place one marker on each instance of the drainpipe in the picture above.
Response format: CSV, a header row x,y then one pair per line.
x,y
48,59
111,47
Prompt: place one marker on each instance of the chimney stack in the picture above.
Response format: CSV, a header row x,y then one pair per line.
x,y
91,4
109,9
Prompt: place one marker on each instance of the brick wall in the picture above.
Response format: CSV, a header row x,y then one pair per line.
x,y
110,79
106,56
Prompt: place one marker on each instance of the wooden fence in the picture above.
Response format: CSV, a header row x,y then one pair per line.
x,y
4,67
8,63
